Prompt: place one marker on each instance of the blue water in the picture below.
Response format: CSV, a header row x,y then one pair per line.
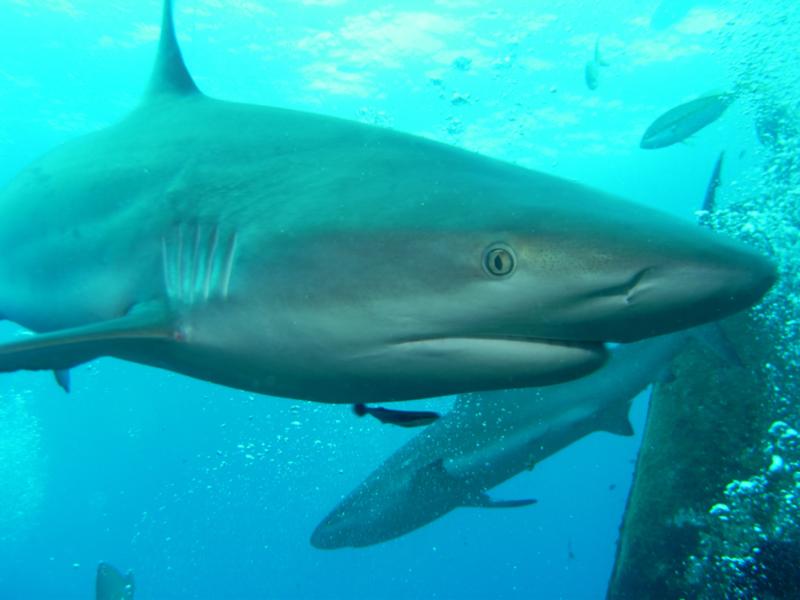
x,y
206,492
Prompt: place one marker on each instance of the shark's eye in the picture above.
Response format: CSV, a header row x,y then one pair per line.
x,y
499,261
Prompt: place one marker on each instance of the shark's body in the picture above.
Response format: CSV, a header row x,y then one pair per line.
x,y
305,256
485,440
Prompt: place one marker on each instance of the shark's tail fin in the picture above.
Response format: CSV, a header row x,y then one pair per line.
x,y
615,419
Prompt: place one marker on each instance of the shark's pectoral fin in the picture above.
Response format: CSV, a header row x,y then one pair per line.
x,y
486,501
62,379
63,349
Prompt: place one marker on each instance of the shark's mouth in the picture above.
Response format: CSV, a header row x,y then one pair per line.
x,y
485,360
544,343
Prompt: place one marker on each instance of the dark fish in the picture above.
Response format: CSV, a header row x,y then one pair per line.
x,y
684,120
403,418
713,184
592,70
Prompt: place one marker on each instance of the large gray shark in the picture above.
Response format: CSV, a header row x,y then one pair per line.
x,y
488,438
305,256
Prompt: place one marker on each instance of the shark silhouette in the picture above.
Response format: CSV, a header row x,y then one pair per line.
x,y
310,257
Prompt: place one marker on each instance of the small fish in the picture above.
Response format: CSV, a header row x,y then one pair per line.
x,y
592,69
684,120
403,418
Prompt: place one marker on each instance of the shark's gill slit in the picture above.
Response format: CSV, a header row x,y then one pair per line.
x,y
196,262
210,259
165,267
203,268
225,280
179,262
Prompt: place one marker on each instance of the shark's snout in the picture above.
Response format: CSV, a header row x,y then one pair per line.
x,y
327,536
682,294
322,541
747,279
730,280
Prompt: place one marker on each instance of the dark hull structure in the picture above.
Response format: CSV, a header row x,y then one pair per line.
x,y
703,432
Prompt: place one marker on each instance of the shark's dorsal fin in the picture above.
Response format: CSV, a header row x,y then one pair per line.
x,y
170,76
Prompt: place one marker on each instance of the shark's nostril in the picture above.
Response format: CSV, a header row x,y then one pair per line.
x,y
634,288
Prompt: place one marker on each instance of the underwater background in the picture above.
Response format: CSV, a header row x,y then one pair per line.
x,y
207,492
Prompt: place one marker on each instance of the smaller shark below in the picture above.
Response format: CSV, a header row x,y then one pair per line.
x,y
113,585
490,437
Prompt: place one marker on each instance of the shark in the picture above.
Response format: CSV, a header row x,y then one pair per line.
x,y
490,437
305,256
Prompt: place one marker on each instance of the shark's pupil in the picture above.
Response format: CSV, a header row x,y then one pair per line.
x,y
499,261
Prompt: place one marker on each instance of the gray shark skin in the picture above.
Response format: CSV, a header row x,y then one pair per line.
x,y
487,438
304,256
